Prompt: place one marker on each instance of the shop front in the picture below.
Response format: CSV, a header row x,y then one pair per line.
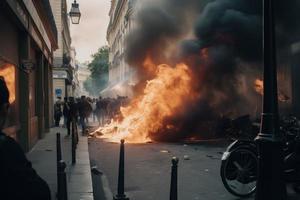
x,y
27,43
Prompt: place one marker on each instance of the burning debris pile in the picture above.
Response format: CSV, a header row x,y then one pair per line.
x,y
197,61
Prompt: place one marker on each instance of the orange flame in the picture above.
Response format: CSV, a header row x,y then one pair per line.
x,y
161,98
259,86
8,72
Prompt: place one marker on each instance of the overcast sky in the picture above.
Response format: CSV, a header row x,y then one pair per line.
x,y
90,34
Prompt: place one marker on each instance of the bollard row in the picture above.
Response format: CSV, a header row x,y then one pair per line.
x,y
74,141
121,178
173,189
62,193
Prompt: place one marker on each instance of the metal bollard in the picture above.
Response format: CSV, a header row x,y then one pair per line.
x,y
73,143
58,155
62,193
76,132
74,127
58,148
173,189
121,195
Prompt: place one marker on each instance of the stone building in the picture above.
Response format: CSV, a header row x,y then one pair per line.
x,y
62,71
74,66
28,38
83,74
121,75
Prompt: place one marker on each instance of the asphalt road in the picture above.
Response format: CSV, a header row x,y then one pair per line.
x,y
148,167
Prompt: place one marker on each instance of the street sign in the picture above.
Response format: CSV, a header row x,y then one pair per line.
x,y
58,92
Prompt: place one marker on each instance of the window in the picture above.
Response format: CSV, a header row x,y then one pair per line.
x,y
32,94
8,71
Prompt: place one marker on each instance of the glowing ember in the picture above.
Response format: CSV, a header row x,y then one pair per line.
x,y
162,97
8,72
259,86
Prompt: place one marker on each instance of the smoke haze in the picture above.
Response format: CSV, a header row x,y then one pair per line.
x,y
221,42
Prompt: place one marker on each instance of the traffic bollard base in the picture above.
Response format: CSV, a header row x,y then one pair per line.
x,y
121,197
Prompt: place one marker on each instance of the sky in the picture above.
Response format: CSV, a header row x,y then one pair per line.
x,y
90,33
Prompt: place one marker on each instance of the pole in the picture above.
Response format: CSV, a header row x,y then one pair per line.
x,y
76,132
270,183
62,194
58,158
173,190
73,144
61,174
58,148
121,195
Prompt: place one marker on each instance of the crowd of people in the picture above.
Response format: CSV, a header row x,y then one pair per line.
x,y
83,109
16,170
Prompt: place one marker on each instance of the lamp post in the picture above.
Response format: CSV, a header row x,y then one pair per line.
x,y
75,13
270,183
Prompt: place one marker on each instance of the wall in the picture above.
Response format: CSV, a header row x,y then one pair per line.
x,y
59,84
121,24
56,9
9,53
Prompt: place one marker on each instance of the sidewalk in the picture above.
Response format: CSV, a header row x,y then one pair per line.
x,y
43,158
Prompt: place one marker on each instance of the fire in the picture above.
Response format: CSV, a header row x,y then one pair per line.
x,y
163,96
8,72
149,65
259,86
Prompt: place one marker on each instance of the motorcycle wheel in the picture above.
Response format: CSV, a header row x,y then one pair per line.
x,y
239,172
296,187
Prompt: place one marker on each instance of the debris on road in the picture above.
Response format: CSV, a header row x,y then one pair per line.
x,y
96,171
48,150
212,157
186,157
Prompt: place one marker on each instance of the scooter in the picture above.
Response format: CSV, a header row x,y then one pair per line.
x,y
240,163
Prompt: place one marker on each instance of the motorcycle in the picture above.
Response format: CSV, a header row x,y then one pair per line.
x,y
240,161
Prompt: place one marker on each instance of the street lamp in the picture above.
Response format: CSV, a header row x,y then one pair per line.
x,y
75,13
270,183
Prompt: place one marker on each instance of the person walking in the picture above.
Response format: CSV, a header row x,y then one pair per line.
x,y
84,109
98,110
94,107
57,111
18,180
66,110
71,114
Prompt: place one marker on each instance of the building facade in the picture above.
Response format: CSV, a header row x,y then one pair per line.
x,y
83,74
62,71
74,66
121,75
28,38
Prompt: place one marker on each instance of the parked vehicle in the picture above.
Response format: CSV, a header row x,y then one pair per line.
x,y
240,161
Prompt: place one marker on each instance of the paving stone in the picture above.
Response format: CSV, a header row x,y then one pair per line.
x,y
43,158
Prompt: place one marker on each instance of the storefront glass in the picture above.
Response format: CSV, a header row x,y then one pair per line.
x,y
8,71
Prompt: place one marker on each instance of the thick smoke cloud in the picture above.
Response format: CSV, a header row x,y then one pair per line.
x,y
288,25
220,39
160,23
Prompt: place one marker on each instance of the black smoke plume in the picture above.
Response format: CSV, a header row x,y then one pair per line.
x,y
228,33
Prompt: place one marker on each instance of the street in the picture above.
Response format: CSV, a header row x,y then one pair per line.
x,y
148,169
148,166
190,74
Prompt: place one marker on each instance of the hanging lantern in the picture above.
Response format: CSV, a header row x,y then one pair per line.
x,y
75,13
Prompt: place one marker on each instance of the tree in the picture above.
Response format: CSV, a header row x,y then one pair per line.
x,y
99,72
